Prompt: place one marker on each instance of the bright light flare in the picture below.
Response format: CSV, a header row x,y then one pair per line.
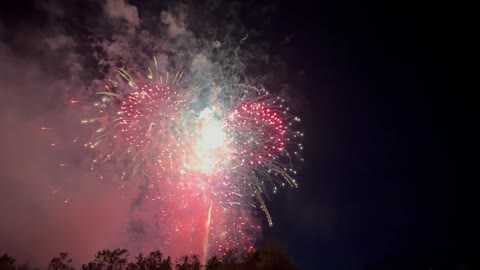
x,y
210,143
212,135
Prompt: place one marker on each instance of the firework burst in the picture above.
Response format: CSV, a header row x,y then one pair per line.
x,y
207,169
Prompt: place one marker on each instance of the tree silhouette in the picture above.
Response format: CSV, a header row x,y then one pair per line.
x,y
167,264
62,262
271,257
251,260
140,265
7,262
188,263
232,259
153,262
109,260
213,264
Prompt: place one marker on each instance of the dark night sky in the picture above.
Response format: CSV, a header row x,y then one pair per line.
x,y
385,168
384,178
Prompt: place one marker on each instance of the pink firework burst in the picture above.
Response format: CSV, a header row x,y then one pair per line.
x,y
207,171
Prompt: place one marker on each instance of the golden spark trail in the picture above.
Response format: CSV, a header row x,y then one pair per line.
x,y
207,234
287,177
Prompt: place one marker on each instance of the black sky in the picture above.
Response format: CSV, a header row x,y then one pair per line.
x,y
386,144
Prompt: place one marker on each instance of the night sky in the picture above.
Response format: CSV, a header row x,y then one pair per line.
x,y
383,183
386,164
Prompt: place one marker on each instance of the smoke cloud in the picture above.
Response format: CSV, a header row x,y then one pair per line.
x,y
49,199
120,9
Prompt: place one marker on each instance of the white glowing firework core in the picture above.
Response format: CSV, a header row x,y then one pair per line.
x,y
211,132
212,135
211,144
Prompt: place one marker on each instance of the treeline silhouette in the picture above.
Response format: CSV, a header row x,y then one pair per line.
x,y
271,257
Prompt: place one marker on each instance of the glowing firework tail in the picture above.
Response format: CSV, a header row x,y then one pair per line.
x,y
207,229
208,169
